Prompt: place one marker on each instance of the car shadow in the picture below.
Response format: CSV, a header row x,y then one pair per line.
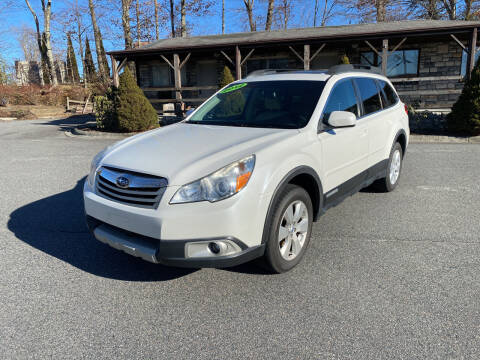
x,y
70,122
56,226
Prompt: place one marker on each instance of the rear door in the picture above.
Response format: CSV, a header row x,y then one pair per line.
x,y
344,150
373,117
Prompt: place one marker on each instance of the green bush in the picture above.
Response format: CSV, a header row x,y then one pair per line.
x,y
465,115
125,109
226,77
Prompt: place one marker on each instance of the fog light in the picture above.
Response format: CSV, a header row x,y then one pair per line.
x,y
204,249
214,248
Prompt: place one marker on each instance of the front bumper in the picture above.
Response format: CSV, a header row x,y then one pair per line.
x,y
170,253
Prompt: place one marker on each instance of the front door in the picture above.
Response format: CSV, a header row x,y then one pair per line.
x,y
344,150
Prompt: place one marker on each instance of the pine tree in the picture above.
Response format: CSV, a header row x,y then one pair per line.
x,y
133,110
89,65
226,77
72,68
465,115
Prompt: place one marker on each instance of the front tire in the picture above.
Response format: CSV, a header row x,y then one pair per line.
x,y
394,168
289,230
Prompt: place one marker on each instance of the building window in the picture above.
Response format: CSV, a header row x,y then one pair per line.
x,y
261,64
400,62
464,61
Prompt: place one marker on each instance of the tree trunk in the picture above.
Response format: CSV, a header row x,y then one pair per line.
x,y
47,13
127,33
137,14
183,25
381,10
172,17
43,57
223,16
315,13
249,8
451,7
468,8
82,57
268,23
101,56
157,32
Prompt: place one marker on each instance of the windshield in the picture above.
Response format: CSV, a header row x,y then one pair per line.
x,y
272,104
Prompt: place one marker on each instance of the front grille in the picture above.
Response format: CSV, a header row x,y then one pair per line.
x,y
142,190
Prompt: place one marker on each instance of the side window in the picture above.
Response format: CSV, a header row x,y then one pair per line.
x,y
342,98
369,95
389,97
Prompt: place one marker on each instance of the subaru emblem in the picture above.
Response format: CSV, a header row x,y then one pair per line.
x,y
123,182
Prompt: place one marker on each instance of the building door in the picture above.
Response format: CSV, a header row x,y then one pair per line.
x,y
206,76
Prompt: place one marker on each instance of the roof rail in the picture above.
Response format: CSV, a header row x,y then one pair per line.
x,y
343,68
268,72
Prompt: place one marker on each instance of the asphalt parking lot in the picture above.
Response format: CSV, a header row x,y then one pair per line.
x,y
386,275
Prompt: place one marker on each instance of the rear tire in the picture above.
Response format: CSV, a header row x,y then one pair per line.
x,y
394,168
289,230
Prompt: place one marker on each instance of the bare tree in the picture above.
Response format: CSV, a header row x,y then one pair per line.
x,y
283,13
101,55
223,16
172,17
127,32
27,41
249,9
327,11
157,30
268,22
374,10
44,41
183,19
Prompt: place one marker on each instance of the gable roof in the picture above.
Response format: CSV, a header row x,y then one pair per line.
x,y
304,34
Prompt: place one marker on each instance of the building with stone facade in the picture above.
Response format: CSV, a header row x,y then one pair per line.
x,y
30,72
427,60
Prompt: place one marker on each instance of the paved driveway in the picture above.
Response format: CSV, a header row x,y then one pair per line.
x,y
386,275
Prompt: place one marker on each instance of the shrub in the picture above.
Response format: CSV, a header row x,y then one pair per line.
x,y
465,115
105,111
226,77
133,111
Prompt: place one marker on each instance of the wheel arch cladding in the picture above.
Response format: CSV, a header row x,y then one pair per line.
x,y
401,138
308,179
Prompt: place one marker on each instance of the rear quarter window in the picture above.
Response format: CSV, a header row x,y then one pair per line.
x,y
369,95
389,96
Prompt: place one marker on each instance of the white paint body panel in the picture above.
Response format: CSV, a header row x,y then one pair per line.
x,y
183,153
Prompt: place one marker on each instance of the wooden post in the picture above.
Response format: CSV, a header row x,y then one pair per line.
x,y
115,77
178,82
68,104
472,50
238,63
384,56
306,57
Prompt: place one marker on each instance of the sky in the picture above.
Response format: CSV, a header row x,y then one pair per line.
x,y
17,15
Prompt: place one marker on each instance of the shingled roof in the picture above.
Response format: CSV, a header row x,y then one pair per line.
x,y
304,34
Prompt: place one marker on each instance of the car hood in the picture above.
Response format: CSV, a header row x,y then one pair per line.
x,y
185,152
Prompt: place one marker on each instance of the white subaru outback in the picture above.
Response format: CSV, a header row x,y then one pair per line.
x,y
246,174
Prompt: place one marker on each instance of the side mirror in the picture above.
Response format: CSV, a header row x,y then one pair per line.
x,y
339,119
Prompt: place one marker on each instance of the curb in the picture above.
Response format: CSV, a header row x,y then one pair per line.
x,y
98,134
421,139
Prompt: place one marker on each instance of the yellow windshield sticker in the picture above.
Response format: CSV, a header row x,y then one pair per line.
x,y
233,88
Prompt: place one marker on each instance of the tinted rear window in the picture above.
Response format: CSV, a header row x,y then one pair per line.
x,y
369,95
389,97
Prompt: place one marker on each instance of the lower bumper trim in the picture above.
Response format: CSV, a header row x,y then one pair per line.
x,y
171,253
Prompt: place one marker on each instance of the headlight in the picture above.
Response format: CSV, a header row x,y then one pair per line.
x,y
93,167
220,185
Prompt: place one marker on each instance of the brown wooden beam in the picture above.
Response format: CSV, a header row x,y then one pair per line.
x,y
122,64
296,53
238,63
168,62
115,77
306,57
227,57
458,42
246,57
372,47
472,51
384,56
185,60
177,76
317,52
399,44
